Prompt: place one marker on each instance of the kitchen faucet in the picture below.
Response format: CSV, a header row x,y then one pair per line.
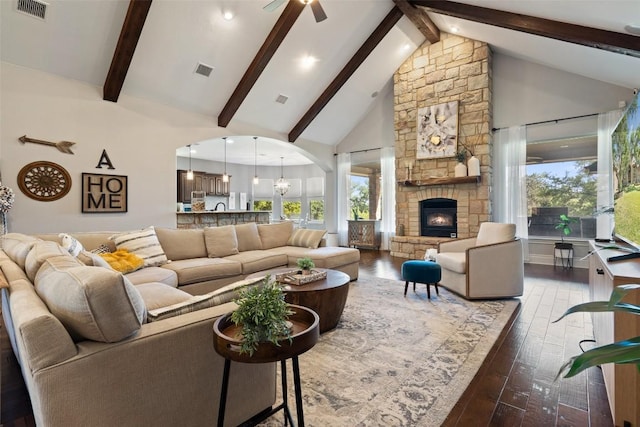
x,y
218,204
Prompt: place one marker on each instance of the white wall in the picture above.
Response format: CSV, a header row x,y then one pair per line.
x,y
139,136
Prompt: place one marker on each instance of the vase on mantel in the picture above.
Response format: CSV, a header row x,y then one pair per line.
x,y
473,166
460,170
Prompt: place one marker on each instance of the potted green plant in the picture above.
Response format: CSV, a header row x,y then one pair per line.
x,y
262,314
305,264
564,225
626,351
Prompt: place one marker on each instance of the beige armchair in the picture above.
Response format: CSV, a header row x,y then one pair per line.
x,y
484,267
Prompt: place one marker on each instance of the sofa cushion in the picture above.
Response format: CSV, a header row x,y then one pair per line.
x,y
202,269
154,274
91,302
38,254
157,295
248,237
123,261
495,232
198,302
253,261
323,257
306,238
275,235
221,241
143,243
17,246
182,244
453,261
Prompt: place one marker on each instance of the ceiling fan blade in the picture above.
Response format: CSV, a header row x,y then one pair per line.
x,y
273,5
318,12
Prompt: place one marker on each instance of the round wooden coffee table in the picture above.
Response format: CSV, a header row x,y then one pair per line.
x,y
326,297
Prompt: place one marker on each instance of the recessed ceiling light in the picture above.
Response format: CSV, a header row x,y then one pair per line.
x,y
454,29
564,146
406,46
633,29
308,61
227,15
230,141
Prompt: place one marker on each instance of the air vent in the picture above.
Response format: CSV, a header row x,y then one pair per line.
x,y
35,8
204,69
281,99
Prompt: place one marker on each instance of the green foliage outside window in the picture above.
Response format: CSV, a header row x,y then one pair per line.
x,y
262,205
316,210
291,209
577,192
359,200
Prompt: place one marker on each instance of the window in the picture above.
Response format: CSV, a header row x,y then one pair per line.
x,y
292,202
263,195
359,197
315,199
292,208
316,210
567,186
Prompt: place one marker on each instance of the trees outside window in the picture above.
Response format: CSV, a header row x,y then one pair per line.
x,y
567,188
291,208
263,205
316,210
359,198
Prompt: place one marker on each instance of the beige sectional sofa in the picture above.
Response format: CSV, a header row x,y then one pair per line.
x,y
101,348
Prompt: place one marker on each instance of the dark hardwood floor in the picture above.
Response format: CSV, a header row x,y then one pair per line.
x,y
515,385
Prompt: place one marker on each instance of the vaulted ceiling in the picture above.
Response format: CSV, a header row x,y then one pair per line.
x,y
151,49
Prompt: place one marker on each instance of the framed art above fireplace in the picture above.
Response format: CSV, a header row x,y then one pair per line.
x,y
437,131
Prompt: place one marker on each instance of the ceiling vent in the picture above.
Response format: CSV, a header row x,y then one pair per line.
x,y
281,99
204,69
35,8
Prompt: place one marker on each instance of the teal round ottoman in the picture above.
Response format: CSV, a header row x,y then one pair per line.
x,y
427,272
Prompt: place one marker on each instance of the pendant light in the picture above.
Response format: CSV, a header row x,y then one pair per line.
x,y
190,171
255,161
282,186
225,177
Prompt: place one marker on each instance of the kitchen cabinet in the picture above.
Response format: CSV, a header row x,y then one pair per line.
x,y
364,233
210,183
622,381
186,186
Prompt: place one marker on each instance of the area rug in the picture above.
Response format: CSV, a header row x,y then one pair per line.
x,y
395,360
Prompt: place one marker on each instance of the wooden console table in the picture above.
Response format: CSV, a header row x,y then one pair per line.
x,y
622,381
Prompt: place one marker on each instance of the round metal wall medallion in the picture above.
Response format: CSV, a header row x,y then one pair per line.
x,y
44,181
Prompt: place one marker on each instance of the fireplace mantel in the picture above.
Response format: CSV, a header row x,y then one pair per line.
x,y
441,181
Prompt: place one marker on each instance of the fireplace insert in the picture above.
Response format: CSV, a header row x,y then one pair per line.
x,y
438,217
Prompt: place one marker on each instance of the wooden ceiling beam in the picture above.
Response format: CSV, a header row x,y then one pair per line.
x,y
592,37
358,58
420,19
261,60
127,42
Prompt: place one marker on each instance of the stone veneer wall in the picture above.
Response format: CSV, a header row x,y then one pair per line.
x,y
459,69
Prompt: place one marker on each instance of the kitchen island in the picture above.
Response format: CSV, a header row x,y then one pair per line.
x,y
202,219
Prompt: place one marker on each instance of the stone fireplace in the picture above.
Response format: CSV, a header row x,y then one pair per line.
x,y
438,217
455,68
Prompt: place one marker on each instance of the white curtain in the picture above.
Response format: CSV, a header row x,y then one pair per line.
x,y
510,181
343,170
604,221
388,171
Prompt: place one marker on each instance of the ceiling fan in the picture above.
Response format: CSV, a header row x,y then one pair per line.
x,y
316,8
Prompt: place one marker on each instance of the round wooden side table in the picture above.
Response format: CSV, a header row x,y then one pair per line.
x,y
305,334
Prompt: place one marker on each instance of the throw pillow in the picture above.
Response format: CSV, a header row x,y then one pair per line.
x,y
71,244
143,243
248,237
123,261
221,241
305,238
102,249
93,260
17,246
275,235
92,303
218,297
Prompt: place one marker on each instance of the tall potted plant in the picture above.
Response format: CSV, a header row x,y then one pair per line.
x,y
626,351
564,225
262,314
